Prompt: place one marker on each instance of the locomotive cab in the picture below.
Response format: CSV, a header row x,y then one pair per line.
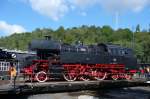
x,y
121,55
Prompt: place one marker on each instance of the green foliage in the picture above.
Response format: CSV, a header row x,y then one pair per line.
x,y
87,35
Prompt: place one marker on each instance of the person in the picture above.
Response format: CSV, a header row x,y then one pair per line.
x,y
147,71
13,73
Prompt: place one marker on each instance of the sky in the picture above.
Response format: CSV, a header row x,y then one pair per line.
x,y
27,15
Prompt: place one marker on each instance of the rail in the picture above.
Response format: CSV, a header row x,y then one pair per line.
x,y
22,85
21,79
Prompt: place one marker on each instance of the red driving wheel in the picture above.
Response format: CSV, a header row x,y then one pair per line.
x,y
41,76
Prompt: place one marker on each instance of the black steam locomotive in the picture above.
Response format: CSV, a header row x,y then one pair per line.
x,y
56,60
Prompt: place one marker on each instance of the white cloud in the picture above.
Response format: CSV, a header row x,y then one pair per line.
x,y
10,28
84,3
124,5
113,5
55,9
83,13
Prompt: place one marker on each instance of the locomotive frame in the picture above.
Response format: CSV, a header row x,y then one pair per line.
x,y
79,62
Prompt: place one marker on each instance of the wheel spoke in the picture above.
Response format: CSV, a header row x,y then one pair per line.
x,y
100,76
70,76
128,77
115,77
84,78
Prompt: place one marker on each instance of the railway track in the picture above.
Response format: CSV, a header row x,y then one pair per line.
x,y
63,86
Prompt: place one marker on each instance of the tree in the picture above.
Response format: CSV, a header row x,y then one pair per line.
x,y
60,33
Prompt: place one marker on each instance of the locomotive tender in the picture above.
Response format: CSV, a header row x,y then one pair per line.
x,y
56,60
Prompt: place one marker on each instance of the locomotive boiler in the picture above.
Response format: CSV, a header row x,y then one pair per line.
x,y
57,60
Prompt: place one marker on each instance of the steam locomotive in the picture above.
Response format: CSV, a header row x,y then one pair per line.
x,y
56,60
